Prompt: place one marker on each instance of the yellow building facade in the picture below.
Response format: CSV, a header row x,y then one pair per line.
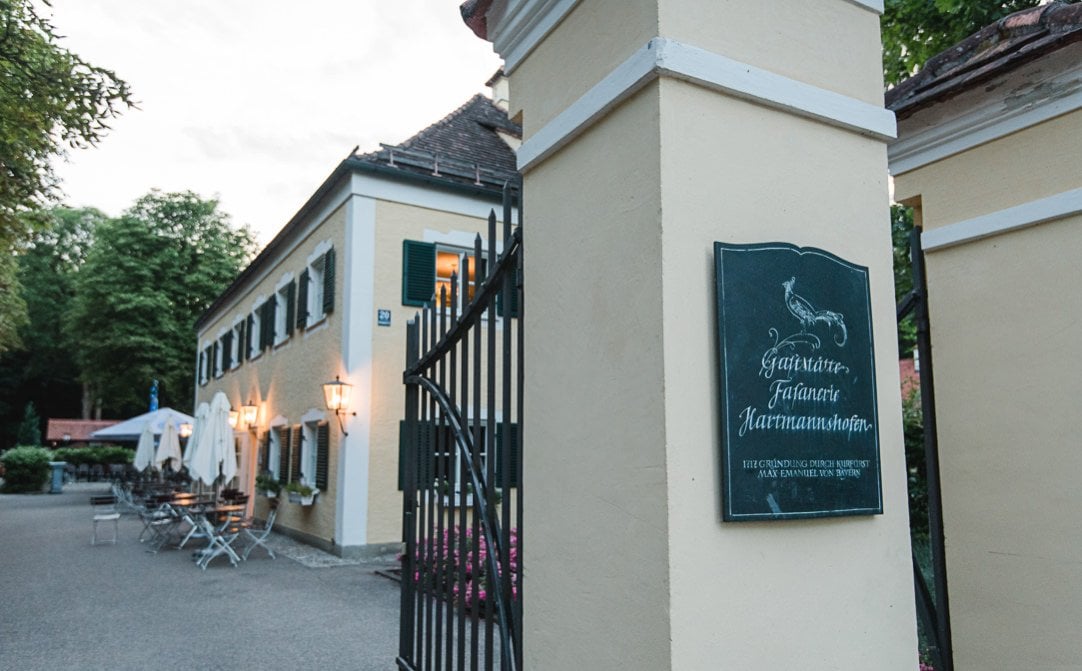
x,y
329,298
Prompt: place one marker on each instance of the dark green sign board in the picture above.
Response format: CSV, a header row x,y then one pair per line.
x,y
799,427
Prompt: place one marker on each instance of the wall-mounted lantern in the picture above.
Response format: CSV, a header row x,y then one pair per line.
x,y
185,429
234,416
249,412
336,395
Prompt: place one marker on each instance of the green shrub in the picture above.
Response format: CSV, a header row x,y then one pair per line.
x,y
113,454
26,469
95,454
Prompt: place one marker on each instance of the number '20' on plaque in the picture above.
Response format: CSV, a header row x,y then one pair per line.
x,y
799,427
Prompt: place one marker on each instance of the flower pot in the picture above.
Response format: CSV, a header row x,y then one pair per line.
x,y
296,497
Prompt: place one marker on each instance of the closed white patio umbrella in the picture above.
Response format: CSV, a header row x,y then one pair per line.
x,y
197,429
168,447
144,449
215,439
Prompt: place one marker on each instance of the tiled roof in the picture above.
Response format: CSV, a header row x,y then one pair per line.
x,y
473,14
77,430
461,152
464,147
995,49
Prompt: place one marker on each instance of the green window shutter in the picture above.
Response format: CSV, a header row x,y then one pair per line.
x,y
249,335
291,306
283,454
302,300
214,357
323,454
296,450
514,303
272,332
418,272
208,362
328,282
199,367
403,445
514,444
242,340
264,452
422,442
227,354
266,324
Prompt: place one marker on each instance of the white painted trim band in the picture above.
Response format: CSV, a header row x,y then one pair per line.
x,y
967,132
662,56
1041,211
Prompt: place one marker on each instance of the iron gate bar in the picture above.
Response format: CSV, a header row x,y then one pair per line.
x,y
931,457
435,464
934,612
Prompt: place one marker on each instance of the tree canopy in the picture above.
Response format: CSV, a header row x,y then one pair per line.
x,y
916,30
147,277
51,100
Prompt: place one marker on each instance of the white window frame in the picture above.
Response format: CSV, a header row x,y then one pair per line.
x,y
281,300
217,369
274,452
235,347
204,376
310,422
254,350
450,500
461,242
315,263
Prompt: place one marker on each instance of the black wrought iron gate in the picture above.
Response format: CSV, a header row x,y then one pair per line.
x,y
933,607
462,468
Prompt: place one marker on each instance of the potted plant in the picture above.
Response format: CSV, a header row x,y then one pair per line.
x,y
302,493
268,484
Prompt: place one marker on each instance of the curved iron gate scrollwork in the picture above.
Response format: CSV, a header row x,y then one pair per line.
x,y
461,465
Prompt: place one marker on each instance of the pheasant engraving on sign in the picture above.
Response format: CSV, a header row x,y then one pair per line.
x,y
808,315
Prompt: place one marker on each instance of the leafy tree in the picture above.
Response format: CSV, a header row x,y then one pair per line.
x,y
50,100
13,314
147,276
916,30
30,428
43,369
901,224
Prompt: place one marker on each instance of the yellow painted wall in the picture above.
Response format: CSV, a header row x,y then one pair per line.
x,y
1033,163
832,44
809,581
596,36
1005,312
629,565
397,222
285,380
597,571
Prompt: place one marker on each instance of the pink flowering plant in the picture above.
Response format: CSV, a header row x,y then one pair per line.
x,y
442,568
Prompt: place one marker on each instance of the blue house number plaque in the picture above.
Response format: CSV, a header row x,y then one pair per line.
x,y
799,426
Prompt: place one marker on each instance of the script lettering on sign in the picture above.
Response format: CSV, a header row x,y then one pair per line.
x,y
800,434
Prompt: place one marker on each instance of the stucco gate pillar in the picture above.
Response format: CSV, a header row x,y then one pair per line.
x,y
651,131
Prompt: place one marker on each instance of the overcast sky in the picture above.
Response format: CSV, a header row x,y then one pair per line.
x,y
256,101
